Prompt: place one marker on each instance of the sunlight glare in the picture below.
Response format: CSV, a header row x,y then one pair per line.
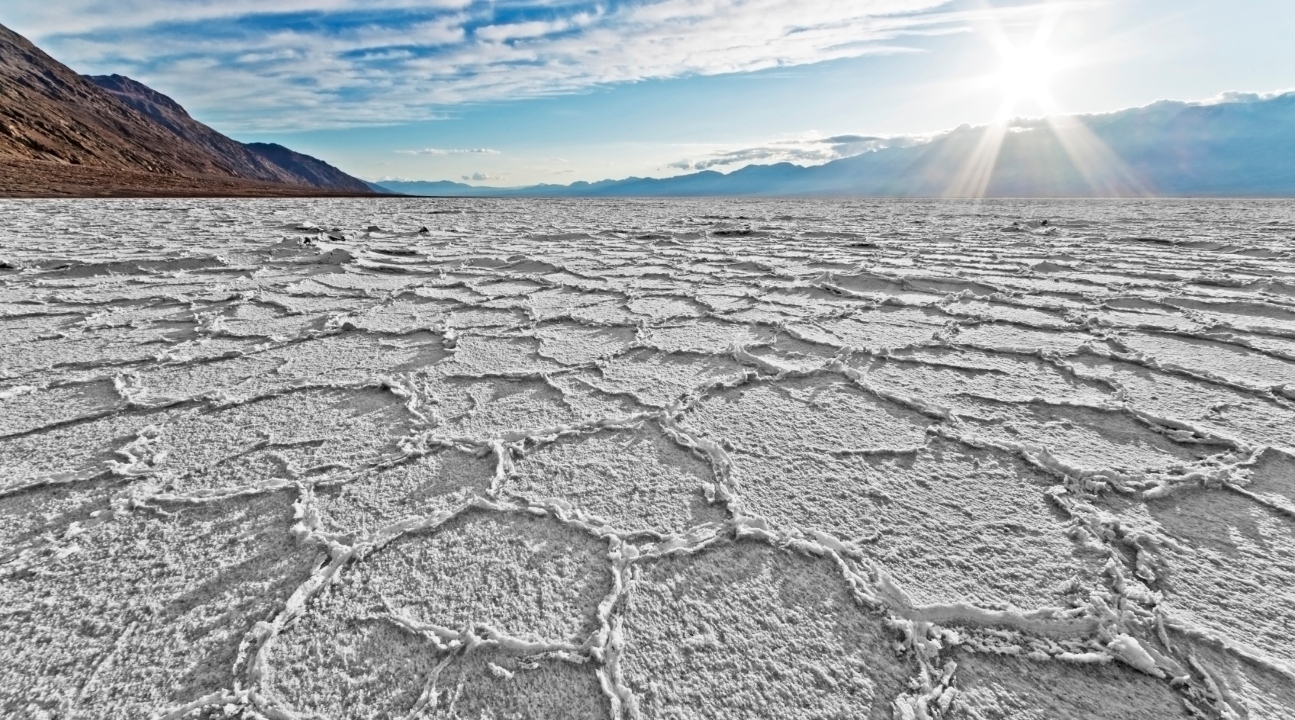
x,y
1026,72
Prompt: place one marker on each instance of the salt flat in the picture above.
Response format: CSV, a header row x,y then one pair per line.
x,y
662,459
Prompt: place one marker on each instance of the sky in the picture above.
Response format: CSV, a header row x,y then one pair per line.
x,y
518,92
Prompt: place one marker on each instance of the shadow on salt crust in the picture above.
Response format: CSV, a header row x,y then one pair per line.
x,y
486,318
763,314
148,610
804,415
344,660
421,487
960,525
18,331
882,328
1224,410
305,429
493,407
525,576
706,336
357,357
477,355
27,408
956,375
1273,478
1084,437
264,320
496,684
1226,551
658,379
794,355
996,687
746,630
508,288
1215,359
1001,336
80,350
234,377
1245,686
581,392
76,451
573,344
638,480
45,513
557,303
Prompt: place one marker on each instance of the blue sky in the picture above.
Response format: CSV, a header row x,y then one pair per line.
x,y
523,91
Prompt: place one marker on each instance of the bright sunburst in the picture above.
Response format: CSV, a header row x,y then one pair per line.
x,y
1026,73
1028,64
1027,69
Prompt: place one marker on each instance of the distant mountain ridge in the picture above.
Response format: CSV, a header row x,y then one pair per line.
x,y
65,134
1235,148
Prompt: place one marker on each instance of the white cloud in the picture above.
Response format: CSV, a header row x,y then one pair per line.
x,y
453,151
1245,97
79,16
801,151
336,63
484,177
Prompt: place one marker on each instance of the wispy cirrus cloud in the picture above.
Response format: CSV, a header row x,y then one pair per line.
x,y
450,151
336,63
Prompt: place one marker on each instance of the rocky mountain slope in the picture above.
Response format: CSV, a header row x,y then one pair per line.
x,y
63,134
312,171
254,161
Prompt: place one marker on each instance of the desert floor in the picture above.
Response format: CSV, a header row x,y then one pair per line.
x,y
662,459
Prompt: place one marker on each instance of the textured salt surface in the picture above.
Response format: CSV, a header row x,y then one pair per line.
x,y
657,459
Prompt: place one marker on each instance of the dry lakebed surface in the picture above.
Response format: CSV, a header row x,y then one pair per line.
x,y
428,458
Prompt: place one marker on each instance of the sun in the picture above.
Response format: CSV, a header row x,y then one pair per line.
x,y
1026,72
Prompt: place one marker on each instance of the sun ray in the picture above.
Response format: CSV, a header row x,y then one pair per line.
x,y
1027,68
972,181
1104,171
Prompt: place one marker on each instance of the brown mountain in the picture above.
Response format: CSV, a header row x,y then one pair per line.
x,y
312,171
256,161
61,134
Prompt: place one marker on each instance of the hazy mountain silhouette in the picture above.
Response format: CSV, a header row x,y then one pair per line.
x,y
1244,146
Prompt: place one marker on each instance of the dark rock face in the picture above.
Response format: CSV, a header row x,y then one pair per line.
x,y
311,171
49,113
254,161
64,134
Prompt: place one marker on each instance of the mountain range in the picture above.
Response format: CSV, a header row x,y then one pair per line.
x,y
64,134
1238,146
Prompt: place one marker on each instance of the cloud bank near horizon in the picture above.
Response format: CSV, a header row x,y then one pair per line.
x,y
811,151
339,63
801,151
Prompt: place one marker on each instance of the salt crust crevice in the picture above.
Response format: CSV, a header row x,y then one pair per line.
x,y
303,352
